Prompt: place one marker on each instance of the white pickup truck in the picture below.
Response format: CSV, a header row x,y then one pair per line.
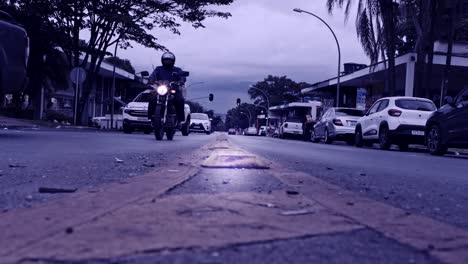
x,y
135,115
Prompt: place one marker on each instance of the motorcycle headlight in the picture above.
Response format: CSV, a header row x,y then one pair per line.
x,y
162,90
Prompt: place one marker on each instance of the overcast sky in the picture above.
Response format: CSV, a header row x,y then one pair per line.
x,y
262,37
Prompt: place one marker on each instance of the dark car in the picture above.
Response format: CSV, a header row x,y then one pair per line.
x,y
448,127
14,52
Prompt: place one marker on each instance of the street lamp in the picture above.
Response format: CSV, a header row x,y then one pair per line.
x,y
197,83
250,113
248,117
266,98
339,52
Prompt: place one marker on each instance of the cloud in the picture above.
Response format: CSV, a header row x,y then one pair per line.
x,y
262,37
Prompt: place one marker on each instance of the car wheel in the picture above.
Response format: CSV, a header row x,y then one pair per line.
x,y
185,129
147,131
170,132
403,146
327,138
313,137
127,129
159,133
434,141
358,140
384,138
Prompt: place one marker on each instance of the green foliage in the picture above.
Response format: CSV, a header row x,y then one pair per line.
x,y
195,107
278,89
217,124
238,117
109,22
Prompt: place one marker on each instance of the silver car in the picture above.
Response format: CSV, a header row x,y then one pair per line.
x,y
337,124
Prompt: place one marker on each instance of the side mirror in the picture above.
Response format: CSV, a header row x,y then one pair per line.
x,y
185,74
144,74
449,100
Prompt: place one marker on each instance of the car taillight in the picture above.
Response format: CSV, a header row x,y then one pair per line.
x,y
337,122
394,112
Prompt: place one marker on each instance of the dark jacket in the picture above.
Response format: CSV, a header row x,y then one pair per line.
x,y
163,74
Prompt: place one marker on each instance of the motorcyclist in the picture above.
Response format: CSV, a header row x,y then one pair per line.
x,y
166,72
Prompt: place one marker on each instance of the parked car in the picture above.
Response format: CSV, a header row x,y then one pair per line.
x,y
337,124
14,54
395,120
291,127
135,115
201,123
448,127
231,131
251,131
262,131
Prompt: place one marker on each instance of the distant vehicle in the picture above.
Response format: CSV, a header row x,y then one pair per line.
x,y
14,54
200,123
251,131
291,127
395,120
448,127
262,131
307,113
337,124
231,131
135,115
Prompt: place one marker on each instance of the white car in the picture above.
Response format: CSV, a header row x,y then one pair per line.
x,y
395,120
251,131
135,115
291,127
200,122
337,124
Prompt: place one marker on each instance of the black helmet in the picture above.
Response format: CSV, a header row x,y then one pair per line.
x,y
168,59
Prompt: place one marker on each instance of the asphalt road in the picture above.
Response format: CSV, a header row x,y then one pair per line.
x,y
419,183
414,181
64,159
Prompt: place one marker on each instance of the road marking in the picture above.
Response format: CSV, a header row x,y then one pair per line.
x,y
191,221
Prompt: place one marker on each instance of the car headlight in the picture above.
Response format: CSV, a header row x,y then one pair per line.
x,y
127,111
162,90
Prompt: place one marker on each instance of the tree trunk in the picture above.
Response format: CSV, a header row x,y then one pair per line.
x,y
430,50
389,28
448,62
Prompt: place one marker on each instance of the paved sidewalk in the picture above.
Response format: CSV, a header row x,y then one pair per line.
x,y
13,123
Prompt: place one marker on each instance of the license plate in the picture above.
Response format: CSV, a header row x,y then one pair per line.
x,y
417,133
352,123
196,126
142,119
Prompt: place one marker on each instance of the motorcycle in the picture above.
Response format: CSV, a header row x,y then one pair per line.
x,y
164,118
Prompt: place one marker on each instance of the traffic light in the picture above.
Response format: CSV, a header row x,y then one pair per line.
x,y
211,97
238,101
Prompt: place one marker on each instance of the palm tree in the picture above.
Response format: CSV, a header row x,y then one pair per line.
x,y
375,27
